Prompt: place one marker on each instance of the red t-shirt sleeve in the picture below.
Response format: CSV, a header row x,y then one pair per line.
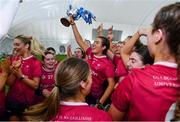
x,y
119,66
37,71
109,71
122,94
89,51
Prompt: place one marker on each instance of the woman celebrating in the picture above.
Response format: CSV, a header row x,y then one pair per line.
x,y
24,77
101,67
67,100
148,93
47,78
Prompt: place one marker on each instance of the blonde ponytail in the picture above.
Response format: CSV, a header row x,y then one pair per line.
x,y
45,110
36,47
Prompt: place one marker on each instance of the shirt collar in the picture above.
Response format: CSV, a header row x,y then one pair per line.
x,y
166,63
73,103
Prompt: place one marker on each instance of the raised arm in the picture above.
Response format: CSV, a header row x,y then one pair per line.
x,y
110,36
78,36
110,54
69,51
128,47
100,29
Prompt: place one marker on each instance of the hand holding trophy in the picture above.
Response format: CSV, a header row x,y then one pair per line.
x,y
76,14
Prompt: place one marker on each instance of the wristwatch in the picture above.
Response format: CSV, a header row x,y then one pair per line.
x,y
99,105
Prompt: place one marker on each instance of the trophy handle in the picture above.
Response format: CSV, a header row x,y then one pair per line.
x,y
65,21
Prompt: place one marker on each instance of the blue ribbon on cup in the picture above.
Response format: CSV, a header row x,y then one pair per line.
x,y
77,14
86,15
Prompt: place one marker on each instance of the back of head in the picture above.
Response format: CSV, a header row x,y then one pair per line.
x,y
51,49
69,74
138,44
168,19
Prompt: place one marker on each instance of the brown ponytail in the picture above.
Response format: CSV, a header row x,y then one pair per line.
x,y
46,110
177,108
68,76
168,19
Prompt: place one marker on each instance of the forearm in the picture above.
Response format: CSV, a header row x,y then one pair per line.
x,y
128,47
3,78
69,53
100,30
110,54
107,92
125,58
31,83
11,79
79,38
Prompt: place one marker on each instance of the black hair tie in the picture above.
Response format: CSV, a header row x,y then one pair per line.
x,y
60,89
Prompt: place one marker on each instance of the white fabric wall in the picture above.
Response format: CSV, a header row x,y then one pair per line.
x,y
53,33
8,10
41,19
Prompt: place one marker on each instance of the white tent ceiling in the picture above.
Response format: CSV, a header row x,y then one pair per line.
x,y
130,12
40,18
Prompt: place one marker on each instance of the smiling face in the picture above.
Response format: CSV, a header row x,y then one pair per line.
x,y
49,61
97,47
19,47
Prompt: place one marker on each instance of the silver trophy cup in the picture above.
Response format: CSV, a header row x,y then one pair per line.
x,y
70,12
65,21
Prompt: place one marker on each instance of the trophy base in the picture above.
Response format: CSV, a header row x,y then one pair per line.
x,y
65,22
